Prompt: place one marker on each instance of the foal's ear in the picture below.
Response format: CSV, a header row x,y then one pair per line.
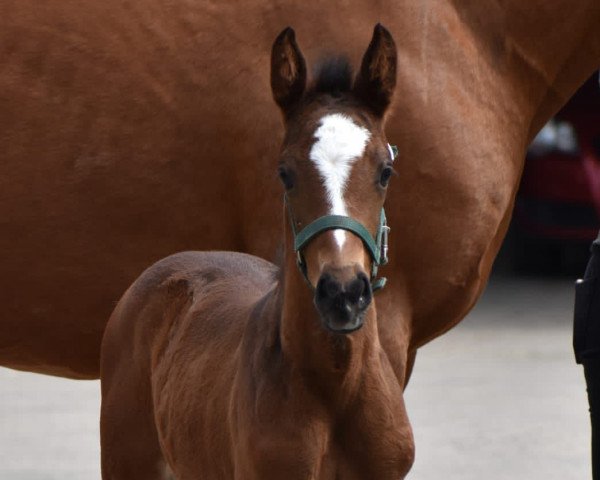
x,y
288,70
376,81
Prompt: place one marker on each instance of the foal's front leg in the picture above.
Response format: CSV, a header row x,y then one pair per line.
x,y
278,459
290,445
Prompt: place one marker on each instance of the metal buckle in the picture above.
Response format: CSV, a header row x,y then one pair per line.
x,y
383,247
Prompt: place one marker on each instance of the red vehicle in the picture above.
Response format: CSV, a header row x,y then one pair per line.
x,y
557,212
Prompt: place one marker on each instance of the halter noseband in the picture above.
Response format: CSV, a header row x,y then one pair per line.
x,y
376,246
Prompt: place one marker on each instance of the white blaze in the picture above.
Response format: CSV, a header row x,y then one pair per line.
x,y
339,143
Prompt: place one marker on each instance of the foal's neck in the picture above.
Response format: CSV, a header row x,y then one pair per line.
x,y
334,362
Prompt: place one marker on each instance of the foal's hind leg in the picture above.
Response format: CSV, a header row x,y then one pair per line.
x,y
129,443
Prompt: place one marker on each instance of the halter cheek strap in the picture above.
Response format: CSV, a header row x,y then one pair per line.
x,y
376,246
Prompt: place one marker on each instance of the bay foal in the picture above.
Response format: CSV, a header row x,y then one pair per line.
x,y
222,366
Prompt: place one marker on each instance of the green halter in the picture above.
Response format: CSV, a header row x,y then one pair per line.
x,y
376,246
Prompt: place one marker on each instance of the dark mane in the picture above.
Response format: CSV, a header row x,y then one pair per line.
x,y
332,75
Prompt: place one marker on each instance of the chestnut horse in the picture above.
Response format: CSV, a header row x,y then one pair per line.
x,y
218,365
131,130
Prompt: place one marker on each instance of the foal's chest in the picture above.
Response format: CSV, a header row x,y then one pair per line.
x,y
300,439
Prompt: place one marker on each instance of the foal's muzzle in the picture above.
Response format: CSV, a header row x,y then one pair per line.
x,y
342,303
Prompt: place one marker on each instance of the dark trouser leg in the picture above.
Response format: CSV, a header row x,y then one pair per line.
x,y
586,342
591,367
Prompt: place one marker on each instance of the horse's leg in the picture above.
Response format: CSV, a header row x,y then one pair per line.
x,y
130,448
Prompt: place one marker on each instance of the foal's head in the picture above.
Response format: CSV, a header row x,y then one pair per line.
x,y
335,162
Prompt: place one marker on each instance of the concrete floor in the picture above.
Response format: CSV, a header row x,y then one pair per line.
x,y
499,397
48,428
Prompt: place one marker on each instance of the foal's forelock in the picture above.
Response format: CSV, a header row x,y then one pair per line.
x,y
339,143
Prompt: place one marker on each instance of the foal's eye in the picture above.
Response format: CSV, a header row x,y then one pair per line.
x,y
286,178
386,174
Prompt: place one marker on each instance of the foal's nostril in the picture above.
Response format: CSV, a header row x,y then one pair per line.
x,y
328,288
331,286
358,292
355,289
